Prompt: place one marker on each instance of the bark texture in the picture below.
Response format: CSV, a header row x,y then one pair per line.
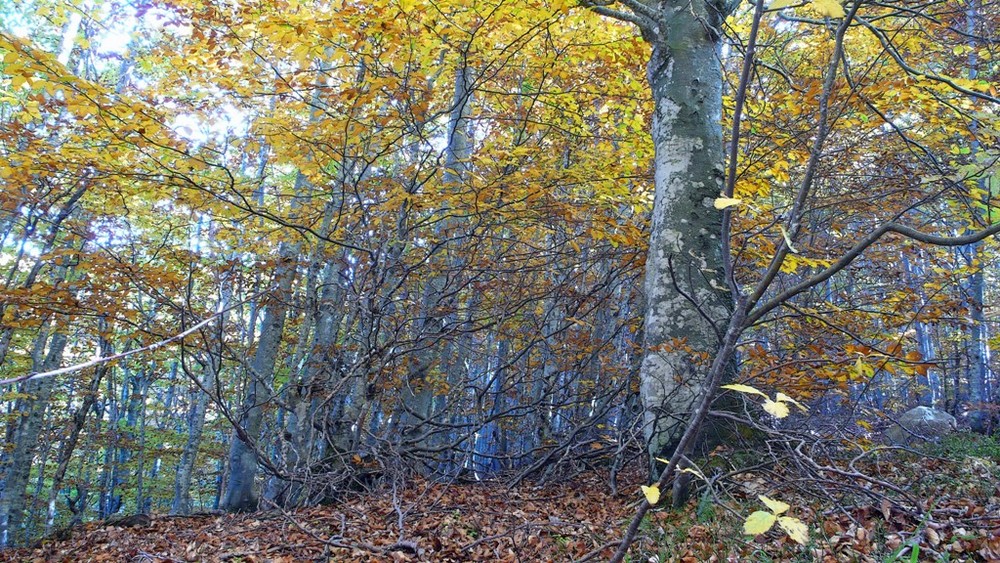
x,y
686,293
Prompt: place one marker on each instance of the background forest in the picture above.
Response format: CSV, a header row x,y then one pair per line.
x,y
263,253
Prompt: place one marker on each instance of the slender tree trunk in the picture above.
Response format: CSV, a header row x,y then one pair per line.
x,y
77,422
439,301
16,464
181,503
979,368
241,493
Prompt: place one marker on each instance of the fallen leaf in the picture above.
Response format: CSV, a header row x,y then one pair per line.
x,y
759,522
776,506
795,528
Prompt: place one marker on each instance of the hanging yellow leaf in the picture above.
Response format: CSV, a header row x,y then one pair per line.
x,y
724,202
743,389
776,506
779,4
795,528
828,8
862,370
759,522
652,493
694,471
777,410
782,398
788,239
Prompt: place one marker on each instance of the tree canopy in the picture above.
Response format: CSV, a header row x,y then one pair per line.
x,y
257,254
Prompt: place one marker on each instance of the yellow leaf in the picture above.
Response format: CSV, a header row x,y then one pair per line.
x,y
743,389
776,506
724,202
777,410
828,8
694,471
758,522
862,370
782,398
652,493
779,4
795,528
562,6
788,239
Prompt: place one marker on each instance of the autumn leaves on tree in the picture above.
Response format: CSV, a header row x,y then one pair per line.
x,y
475,239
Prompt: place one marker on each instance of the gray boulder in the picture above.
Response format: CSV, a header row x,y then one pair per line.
x,y
921,424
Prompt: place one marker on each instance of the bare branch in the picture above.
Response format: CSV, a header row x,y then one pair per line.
x,y
896,56
645,23
103,360
858,249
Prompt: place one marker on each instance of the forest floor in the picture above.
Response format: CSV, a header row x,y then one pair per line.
x,y
578,519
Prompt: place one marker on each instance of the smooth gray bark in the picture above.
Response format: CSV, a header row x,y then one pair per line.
x,y
77,421
181,503
686,295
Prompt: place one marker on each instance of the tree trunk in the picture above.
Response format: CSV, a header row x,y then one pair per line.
x,y
181,503
241,494
16,464
440,301
77,422
686,296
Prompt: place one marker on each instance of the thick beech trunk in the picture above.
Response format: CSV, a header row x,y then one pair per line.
x,y
686,296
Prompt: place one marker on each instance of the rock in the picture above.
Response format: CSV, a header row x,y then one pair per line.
x,y
921,424
134,521
983,421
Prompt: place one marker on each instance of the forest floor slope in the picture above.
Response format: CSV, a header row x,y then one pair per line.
x,y
578,519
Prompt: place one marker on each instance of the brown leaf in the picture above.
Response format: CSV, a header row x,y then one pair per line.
x,y
932,537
